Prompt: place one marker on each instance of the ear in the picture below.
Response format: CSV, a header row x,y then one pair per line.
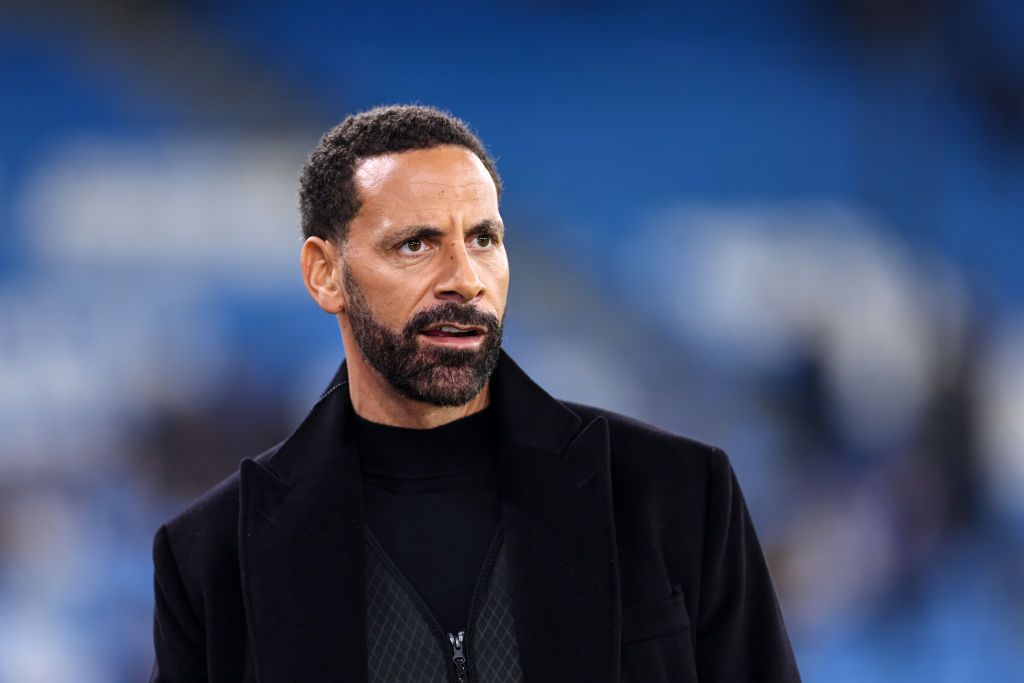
x,y
321,271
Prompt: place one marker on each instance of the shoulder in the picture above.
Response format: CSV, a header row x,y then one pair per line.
x,y
646,459
204,533
634,439
666,490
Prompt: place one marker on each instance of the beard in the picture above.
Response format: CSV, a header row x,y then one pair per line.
x,y
434,374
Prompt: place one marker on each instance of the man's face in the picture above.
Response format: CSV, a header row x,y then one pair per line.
x,y
426,273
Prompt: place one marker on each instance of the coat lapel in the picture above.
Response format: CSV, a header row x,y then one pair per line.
x,y
301,550
302,546
557,514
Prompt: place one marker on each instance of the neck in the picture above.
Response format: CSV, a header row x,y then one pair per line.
x,y
374,399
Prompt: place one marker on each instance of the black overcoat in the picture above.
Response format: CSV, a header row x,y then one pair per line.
x,y
632,556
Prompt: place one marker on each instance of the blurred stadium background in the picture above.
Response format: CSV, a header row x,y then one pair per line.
x,y
793,229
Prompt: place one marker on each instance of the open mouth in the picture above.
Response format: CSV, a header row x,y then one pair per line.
x,y
449,330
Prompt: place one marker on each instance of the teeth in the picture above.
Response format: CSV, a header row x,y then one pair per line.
x,y
450,329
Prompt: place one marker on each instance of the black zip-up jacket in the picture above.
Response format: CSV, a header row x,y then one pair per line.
x,y
630,556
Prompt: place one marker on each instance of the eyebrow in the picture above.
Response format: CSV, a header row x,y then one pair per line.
x,y
409,232
412,232
487,225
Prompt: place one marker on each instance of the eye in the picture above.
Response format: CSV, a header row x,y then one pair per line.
x,y
483,240
413,246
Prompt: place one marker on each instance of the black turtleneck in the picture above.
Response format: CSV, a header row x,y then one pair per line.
x,y
430,496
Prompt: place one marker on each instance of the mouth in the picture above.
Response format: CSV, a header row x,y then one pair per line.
x,y
454,334
452,330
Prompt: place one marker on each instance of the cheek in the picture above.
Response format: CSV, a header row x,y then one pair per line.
x,y
499,276
400,303
394,297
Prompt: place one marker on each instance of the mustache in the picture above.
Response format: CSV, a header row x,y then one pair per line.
x,y
452,312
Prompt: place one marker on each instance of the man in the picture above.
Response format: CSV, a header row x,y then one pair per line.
x,y
438,516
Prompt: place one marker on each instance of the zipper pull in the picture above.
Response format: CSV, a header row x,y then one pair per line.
x,y
458,656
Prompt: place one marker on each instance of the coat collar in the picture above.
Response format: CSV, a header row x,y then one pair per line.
x,y
302,547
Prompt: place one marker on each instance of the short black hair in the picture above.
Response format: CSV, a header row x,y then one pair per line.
x,y
327,192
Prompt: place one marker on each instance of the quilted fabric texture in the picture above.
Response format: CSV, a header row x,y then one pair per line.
x,y
495,653
401,648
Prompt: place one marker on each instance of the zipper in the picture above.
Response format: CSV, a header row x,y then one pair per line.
x,y
460,644
482,579
327,393
421,606
458,656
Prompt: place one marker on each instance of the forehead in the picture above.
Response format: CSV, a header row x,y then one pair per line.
x,y
424,181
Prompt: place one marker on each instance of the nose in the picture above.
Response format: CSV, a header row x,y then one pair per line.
x,y
459,280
